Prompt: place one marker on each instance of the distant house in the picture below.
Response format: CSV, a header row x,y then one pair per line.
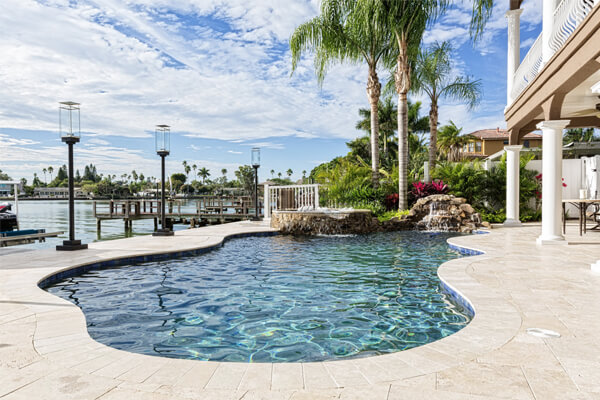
x,y
57,192
491,141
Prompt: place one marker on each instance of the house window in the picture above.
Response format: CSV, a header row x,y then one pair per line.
x,y
471,147
478,147
526,144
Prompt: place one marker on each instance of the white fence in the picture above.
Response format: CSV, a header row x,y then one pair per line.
x,y
290,198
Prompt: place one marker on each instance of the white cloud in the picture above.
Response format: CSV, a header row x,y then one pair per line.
x,y
234,152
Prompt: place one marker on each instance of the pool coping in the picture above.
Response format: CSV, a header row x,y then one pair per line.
x,y
58,330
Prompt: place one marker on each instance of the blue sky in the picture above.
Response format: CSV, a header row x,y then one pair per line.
x,y
217,71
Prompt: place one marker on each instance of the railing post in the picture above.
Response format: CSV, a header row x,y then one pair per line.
x,y
316,205
267,212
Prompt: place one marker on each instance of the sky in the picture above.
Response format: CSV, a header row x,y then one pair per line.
x,y
217,71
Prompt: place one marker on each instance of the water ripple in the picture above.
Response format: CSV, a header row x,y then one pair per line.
x,y
276,299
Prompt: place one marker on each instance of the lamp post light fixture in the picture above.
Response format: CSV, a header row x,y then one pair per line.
x,y
255,165
162,136
69,123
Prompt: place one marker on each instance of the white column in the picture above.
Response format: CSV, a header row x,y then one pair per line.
x,y
267,203
513,155
426,177
513,58
552,132
548,7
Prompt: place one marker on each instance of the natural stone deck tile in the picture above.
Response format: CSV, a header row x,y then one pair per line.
x,y
485,379
515,286
257,376
227,376
287,376
316,376
544,384
64,385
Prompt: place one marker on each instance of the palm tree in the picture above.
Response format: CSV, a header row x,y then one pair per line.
x,y
387,113
279,175
431,76
203,173
50,171
580,135
194,167
347,31
303,175
289,172
224,173
407,21
44,171
451,141
272,173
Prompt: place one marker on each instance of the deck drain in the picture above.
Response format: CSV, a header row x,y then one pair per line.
x,y
542,333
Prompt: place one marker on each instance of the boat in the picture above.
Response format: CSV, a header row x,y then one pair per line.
x,y
8,219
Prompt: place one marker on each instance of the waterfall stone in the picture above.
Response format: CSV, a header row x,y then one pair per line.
x,y
433,213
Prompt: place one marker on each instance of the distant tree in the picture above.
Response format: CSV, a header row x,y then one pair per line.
x,y
134,175
289,172
203,173
279,175
77,176
36,181
50,171
303,175
451,141
177,181
62,174
4,177
272,173
142,178
44,171
245,176
194,167
580,135
433,76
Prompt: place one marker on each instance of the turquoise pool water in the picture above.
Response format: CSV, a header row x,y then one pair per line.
x,y
276,299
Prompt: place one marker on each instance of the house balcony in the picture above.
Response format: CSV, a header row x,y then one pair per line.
x,y
559,77
567,16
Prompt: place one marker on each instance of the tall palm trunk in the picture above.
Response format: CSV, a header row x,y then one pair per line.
x,y
433,122
373,93
402,83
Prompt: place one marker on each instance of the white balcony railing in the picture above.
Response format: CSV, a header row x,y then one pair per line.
x,y
528,69
568,15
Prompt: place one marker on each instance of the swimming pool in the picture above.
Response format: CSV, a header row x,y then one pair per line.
x,y
276,299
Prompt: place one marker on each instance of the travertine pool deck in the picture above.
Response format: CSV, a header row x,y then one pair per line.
x,y
46,353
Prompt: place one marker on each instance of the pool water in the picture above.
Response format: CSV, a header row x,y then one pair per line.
x,y
276,299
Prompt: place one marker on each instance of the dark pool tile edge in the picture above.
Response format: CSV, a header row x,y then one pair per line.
x,y
117,262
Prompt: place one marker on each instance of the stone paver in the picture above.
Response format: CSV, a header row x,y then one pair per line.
x,y
46,353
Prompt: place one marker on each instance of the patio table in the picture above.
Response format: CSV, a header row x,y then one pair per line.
x,y
582,206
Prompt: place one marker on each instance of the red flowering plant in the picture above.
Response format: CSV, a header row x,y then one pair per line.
x,y
538,192
421,189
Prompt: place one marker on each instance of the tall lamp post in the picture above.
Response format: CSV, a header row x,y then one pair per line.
x,y
69,123
256,164
162,135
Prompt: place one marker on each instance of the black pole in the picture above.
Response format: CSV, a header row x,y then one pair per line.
x,y
71,195
71,244
163,220
163,231
256,193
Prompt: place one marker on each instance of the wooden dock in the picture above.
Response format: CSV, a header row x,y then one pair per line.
x,y
207,210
